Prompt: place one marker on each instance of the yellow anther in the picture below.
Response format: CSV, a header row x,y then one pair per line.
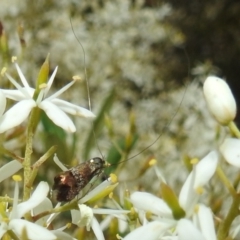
x,y
14,59
77,78
196,209
43,85
194,161
68,225
110,195
17,178
200,190
4,69
113,178
152,162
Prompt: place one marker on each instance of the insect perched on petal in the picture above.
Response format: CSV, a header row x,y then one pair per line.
x,y
68,184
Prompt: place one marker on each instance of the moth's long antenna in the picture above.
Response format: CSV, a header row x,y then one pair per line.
x,y
171,120
87,81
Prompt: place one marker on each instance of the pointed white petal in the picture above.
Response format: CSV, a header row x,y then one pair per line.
x,y
50,81
62,235
34,231
59,92
109,211
150,231
187,231
72,108
150,203
200,176
57,116
37,197
53,215
101,187
25,90
97,229
17,95
3,228
9,169
2,103
22,77
16,115
205,169
76,216
205,219
230,149
45,205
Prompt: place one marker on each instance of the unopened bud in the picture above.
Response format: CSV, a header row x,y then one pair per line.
x,y
220,100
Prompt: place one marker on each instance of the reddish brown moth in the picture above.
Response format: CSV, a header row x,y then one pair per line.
x,y
69,183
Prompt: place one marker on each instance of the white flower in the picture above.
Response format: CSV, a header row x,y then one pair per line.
x,y
55,108
220,100
85,215
199,177
230,149
15,221
188,198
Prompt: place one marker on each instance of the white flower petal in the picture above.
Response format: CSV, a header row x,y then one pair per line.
x,y
205,220
17,95
22,77
187,231
57,116
2,102
37,197
76,216
3,229
72,108
150,203
9,169
101,187
86,216
62,235
109,211
150,231
59,92
230,149
50,81
97,229
16,115
220,100
45,205
200,176
205,169
34,231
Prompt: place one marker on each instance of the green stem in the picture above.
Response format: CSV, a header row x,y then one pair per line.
x,y
233,128
226,181
28,152
227,222
69,206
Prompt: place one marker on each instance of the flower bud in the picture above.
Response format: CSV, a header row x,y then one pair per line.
x,y
220,100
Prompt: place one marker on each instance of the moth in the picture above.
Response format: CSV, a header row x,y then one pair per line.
x,y
68,184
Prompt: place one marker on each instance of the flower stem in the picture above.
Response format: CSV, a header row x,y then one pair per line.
x,y
226,181
28,153
66,207
226,223
234,130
